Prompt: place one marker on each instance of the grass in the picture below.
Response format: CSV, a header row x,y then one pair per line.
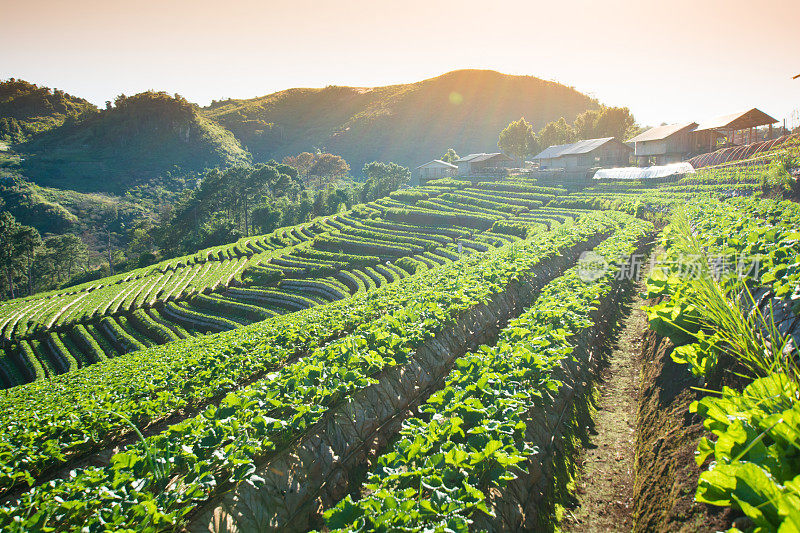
x,y
753,339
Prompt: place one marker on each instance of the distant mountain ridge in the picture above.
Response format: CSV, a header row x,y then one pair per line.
x,y
408,123
153,133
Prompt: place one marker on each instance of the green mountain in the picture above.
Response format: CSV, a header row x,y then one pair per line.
x,y
27,109
154,134
138,138
409,123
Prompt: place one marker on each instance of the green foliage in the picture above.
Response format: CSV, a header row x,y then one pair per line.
x,y
382,179
386,326
617,122
450,156
519,140
557,132
398,122
143,135
471,436
738,246
27,109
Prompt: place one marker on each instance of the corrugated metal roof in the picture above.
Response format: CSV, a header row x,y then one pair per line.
x,y
662,132
437,161
580,147
551,151
744,119
584,147
475,158
468,157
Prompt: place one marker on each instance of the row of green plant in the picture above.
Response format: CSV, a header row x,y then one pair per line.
x,y
737,248
157,375
472,436
154,483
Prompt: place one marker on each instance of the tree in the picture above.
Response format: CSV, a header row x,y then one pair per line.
x,y
518,140
28,241
382,178
9,249
65,252
604,122
615,122
329,166
450,156
303,162
558,132
585,125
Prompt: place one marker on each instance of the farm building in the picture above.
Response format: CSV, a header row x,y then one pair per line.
x,y
433,170
739,128
676,142
483,164
583,155
671,143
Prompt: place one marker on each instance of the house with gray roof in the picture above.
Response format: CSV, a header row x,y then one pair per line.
x,y
433,170
482,164
670,143
583,155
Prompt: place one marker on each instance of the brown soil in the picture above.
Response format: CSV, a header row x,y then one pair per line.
x,y
667,436
604,488
638,471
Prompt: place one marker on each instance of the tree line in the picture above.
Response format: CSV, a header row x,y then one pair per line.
x,y
520,140
30,263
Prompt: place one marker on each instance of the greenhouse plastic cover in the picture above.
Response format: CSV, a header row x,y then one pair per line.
x,y
643,173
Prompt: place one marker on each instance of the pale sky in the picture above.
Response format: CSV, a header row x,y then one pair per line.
x,y
668,61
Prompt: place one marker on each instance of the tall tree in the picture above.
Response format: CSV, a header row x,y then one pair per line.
x,y
329,167
450,155
28,241
558,132
585,125
382,178
302,162
518,140
9,227
615,122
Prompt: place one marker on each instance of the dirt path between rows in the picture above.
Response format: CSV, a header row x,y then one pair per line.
x,y
604,487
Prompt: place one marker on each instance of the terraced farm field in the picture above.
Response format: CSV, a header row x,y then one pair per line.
x,y
424,362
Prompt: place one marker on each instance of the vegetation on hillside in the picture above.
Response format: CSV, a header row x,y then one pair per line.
x,y
408,123
136,139
27,109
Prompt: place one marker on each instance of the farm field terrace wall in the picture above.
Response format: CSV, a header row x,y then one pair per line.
x,y
177,290
207,451
726,321
481,453
286,490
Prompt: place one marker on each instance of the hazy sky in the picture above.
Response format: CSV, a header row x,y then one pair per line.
x,y
667,60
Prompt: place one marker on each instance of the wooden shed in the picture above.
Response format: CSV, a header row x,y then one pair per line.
x,y
583,155
483,164
671,143
739,128
433,170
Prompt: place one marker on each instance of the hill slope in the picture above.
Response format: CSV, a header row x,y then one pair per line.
x,y
141,136
26,109
409,124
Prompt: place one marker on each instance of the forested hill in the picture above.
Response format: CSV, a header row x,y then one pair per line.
x,y
26,109
408,124
137,138
154,134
